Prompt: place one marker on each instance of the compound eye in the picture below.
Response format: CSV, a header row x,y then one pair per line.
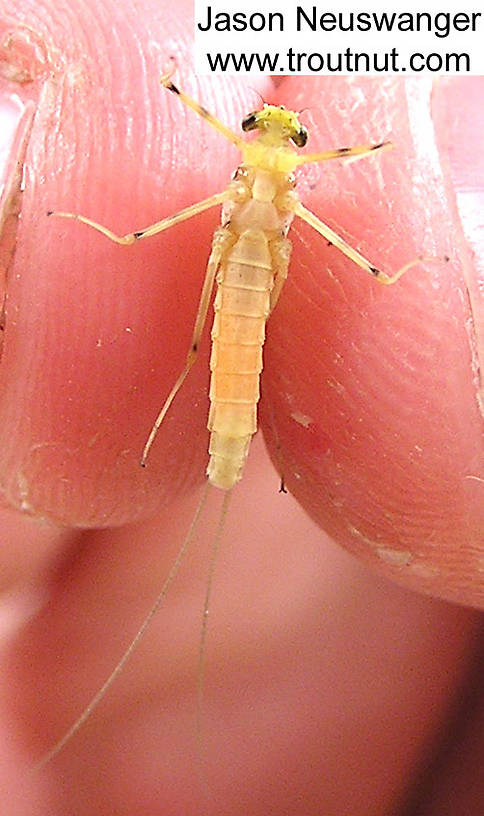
x,y
300,138
249,122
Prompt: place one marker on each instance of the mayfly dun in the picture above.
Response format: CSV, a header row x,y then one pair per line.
x,y
249,261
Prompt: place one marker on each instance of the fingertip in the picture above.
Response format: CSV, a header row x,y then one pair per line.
x,y
362,412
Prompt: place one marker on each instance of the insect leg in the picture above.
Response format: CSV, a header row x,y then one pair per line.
x,y
334,239
203,112
154,229
281,253
343,153
221,240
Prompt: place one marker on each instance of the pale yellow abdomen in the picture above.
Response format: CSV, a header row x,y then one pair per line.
x,y
241,307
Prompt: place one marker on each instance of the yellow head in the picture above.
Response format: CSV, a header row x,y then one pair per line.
x,y
277,126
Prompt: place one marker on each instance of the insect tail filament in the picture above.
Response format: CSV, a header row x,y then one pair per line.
x,y
206,605
139,635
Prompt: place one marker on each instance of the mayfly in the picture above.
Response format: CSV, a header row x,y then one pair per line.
x,y
249,260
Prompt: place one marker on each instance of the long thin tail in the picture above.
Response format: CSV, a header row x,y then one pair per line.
x,y
206,605
134,643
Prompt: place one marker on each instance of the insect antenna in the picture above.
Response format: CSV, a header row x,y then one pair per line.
x,y
256,92
86,713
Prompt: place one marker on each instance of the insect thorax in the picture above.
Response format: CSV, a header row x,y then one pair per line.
x,y
257,154
259,200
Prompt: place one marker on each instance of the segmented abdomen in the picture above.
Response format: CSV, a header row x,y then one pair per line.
x,y
241,307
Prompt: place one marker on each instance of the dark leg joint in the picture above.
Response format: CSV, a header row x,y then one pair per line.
x,y
171,87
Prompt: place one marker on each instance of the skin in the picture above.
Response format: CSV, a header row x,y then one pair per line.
x,y
327,685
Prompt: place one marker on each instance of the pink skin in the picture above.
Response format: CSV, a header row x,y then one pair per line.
x,y
324,683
